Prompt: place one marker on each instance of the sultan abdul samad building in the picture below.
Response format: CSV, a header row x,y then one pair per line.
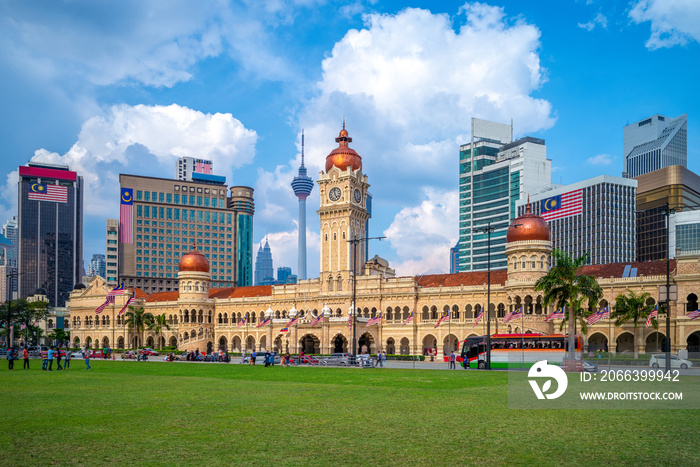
x,y
204,318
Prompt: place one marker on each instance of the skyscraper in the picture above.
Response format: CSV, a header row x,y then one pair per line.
x,y
97,266
112,252
302,186
595,216
164,218
189,168
494,173
9,253
264,270
50,255
654,143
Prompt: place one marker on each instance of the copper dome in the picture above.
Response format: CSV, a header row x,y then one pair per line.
x,y
529,226
343,156
194,261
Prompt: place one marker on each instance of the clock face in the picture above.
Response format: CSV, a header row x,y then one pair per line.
x,y
358,195
334,194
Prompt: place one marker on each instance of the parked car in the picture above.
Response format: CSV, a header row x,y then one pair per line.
x,y
364,360
260,358
307,360
659,361
149,351
590,367
337,359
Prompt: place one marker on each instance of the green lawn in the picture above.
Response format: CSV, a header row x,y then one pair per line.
x,y
213,414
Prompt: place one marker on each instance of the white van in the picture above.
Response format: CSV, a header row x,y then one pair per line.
x,y
659,361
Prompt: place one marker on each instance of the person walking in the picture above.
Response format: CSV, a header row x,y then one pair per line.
x,y
68,355
252,358
10,358
44,359
58,358
86,355
25,356
452,361
50,357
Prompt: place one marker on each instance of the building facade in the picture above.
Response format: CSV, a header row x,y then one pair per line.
x,y
206,318
654,143
494,175
50,234
112,252
188,168
605,224
264,269
97,266
684,233
675,187
168,216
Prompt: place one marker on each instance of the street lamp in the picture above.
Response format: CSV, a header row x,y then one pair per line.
x,y
487,229
354,242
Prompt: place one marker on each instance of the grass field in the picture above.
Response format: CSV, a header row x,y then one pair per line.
x,y
213,414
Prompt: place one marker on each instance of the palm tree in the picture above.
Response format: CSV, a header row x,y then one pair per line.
x,y
566,287
138,319
159,323
633,307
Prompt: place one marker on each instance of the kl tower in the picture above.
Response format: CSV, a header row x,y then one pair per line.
x,y
302,186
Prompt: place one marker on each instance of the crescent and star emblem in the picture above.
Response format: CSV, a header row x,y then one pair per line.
x,y
126,197
550,204
34,185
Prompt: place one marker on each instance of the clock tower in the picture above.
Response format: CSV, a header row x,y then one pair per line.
x,y
343,215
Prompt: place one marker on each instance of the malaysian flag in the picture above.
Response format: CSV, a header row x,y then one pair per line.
x,y
349,322
559,206
653,314
46,192
600,314
263,322
478,318
558,314
101,308
317,320
376,320
409,319
131,300
292,322
126,210
513,315
23,326
693,314
117,291
446,317
242,322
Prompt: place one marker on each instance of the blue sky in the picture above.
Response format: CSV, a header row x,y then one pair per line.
x,y
110,87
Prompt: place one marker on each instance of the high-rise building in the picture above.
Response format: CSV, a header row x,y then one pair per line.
x,y
9,252
282,273
97,266
595,216
302,186
189,169
264,269
494,173
673,187
50,254
6,273
241,202
454,259
684,233
654,143
112,252
161,219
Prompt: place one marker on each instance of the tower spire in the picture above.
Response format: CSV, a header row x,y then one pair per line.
x,y
302,186
302,147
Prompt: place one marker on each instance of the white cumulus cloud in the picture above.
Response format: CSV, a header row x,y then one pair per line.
x,y
599,20
145,140
673,22
408,85
601,159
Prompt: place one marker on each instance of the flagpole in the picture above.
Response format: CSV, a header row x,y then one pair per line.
x,y
522,337
609,336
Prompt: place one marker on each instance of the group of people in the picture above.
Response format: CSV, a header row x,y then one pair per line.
x,y
198,356
48,355
381,358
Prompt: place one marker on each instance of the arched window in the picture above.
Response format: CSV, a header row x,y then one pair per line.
x,y
330,284
339,283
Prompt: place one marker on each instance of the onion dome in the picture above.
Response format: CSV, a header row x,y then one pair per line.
x,y
293,312
79,286
325,311
269,312
343,156
194,261
529,226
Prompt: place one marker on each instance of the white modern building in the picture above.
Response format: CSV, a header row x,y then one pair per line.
x,y
654,143
495,172
600,218
112,250
186,166
684,232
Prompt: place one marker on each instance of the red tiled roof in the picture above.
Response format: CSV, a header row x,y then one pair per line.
x,y
163,296
462,278
138,293
236,292
648,268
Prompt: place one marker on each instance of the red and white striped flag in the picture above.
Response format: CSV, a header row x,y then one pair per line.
x,y
317,320
446,317
567,204
101,308
126,210
653,314
558,314
376,320
693,314
47,192
131,300
409,319
478,318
